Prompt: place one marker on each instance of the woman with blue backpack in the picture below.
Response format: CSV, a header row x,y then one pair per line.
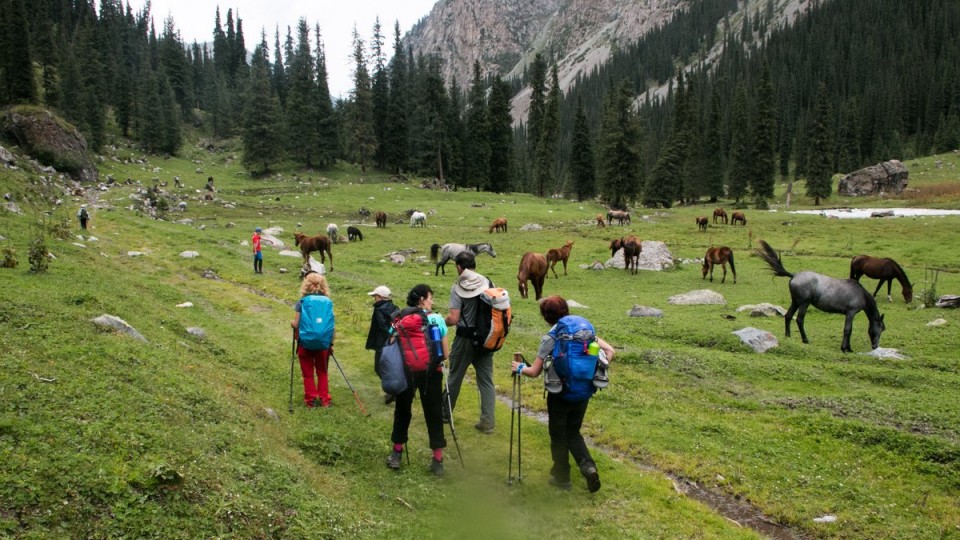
x,y
314,330
574,359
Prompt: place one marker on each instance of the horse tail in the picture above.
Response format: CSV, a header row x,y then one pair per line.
x,y
772,258
434,252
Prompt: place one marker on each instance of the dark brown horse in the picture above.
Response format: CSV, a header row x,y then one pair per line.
x,y
720,213
702,223
533,267
381,219
559,254
886,270
632,246
615,246
318,243
738,216
722,256
499,225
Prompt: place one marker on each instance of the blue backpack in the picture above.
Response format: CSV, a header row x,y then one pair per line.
x,y
316,322
574,365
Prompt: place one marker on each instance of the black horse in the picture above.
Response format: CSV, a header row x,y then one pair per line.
x,y
828,294
354,234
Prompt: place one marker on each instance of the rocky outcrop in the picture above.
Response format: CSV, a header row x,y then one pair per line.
x,y
887,177
50,140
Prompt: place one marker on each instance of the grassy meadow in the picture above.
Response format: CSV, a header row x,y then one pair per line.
x,y
104,436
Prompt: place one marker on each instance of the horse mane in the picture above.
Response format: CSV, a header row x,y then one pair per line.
x,y
901,274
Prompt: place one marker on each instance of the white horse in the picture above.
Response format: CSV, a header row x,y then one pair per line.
x,y
418,219
447,252
333,232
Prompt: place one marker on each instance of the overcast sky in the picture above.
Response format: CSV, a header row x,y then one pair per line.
x,y
195,20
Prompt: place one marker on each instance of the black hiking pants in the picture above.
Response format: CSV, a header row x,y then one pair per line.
x,y
431,399
564,421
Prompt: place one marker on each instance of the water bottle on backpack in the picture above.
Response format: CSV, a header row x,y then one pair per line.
x,y
435,342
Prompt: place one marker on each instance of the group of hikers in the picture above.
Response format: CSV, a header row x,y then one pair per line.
x,y
571,356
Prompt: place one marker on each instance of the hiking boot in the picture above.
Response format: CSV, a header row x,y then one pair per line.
x,y
593,478
314,403
566,486
394,461
484,428
436,467
551,380
389,398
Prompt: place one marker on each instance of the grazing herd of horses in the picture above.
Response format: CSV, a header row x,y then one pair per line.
x,y
828,294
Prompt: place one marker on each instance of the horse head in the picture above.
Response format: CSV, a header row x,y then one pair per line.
x,y
297,238
489,249
876,328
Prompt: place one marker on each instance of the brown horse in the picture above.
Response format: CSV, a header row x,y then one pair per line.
x,y
632,246
381,219
618,215
318,243
615,246
499,225
533,267
884,270
738,216
600,223
702,223
720,213
559,254
722,256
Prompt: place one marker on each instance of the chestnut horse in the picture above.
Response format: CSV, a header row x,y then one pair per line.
x,y
318,243
499,225
884,270
615,246
720,213
738,216
381,219
632,246
533,267
559,254
600,223
719,255
702,223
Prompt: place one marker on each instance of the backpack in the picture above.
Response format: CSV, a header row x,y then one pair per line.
x,y
572,363
393,374
412,330
83,213
493,319
316,322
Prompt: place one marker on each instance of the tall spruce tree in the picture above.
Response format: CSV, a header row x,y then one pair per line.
x,y
262,132
538,79
545,175
764,143
396,138
618,153
739,170
380,93
17,57
820,166
582,171
327,128
713,148
279,74
301,113
477,148
360,128
500,136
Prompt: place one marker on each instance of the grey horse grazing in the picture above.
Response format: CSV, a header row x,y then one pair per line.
x,y
441,254
827,294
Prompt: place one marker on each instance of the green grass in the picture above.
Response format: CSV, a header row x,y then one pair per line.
x,y
103,436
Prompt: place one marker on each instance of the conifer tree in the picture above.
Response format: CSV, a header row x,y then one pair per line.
x,y
538,77
618,154
262,140
582,171
713,148
396,139
301,113
279,74
17,59
327,129
173,64
764,144
500,135
360,128
380,93
549,134
820,165
739,170
455,125
477,148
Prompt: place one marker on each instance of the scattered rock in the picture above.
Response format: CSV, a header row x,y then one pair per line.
x,y
78,244
271,414
825,519
12,207
884,213
644,311
397,258
209,274
283,270
6,157
881,352
763,310
116,323
189,254
135,254
699,297
889,176
758,340
313,265
595,265
186,221
272,240
938,322
290,253
185,304
948,301
197,332
532,227
575,304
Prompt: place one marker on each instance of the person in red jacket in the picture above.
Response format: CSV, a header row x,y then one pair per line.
x,y
257,253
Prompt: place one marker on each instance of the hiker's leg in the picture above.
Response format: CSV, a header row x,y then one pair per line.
x,y
578,447
402,414
323,360
306,369
376,362
483,365
557,426
431,394
459,360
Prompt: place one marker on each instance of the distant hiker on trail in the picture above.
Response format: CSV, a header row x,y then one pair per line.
x,y
463,314
83,216
384,311
424,374
315,332
257,251
210,184
562,351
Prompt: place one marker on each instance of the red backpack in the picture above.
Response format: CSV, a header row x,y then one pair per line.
x,y
411,329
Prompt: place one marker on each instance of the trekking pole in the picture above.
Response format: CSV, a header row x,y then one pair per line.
x,y
453,430
293,354
519,431
513,409
355,395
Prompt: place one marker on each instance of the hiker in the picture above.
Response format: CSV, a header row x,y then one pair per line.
x,y
209,185
565,408
428,380
314,356
83,216
464,307
257,252
384,310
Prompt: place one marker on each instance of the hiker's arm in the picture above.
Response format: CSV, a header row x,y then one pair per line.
x,y
453,317
532,370
295,323
606,348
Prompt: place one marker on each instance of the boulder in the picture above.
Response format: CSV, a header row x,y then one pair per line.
x,y
697,298
655,256
116,323
6,157
189,254
49,139
575,304
881,352
532,227
948,301
758,340
644,311
937,322
763,310
889,176
197,332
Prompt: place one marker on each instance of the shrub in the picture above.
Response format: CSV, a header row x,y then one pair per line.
x,y
9,257
39,261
